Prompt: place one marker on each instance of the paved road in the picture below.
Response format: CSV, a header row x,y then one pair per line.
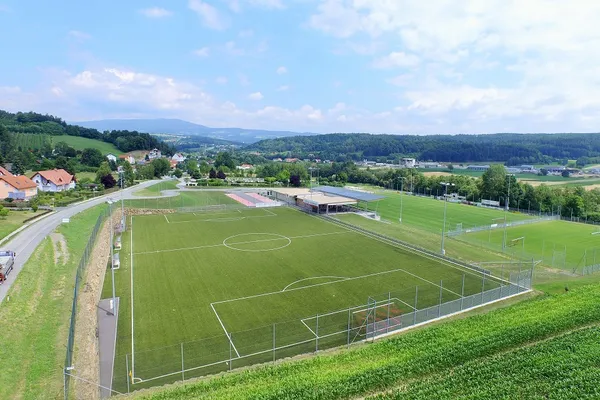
x,y
25,243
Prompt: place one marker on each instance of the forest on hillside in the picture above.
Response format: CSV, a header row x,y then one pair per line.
x,y
44,124
512,149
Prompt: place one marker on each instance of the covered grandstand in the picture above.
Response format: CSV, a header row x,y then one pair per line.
x,y
325,199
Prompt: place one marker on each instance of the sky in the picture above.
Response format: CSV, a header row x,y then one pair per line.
x,y
378,66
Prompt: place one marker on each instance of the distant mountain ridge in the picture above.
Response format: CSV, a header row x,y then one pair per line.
x,y
181,127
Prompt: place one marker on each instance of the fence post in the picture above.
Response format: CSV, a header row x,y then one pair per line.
x,y
230,349
415,311
127,371
182,364
374,321
65,383
317,335
462,293
349,322
274,343
440,305
482,286
387,325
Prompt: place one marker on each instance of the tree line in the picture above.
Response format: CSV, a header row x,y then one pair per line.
x,y
510,148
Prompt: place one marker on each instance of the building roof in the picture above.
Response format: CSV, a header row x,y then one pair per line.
x,y
56,176
18,182
4,172
292,191
317,199
351,194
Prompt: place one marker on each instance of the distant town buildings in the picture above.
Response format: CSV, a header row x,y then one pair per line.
x,y
111,157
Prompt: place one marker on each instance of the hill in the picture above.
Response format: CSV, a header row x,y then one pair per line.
x,y
512,148
37,141
178,126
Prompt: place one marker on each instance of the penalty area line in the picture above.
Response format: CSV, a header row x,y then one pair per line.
x,y
226,333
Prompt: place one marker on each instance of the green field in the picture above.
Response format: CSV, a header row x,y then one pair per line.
x,y
221,281
13,222
428,214
557,244
184,199
34,141
155,189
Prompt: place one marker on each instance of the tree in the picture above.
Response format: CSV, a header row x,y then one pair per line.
x,y
204,167
34,204
221,174
128,174
566,173
493,182
161,167
92,157
60,162
108,181
102,171
178,174
224,159
196,174
212,174
295,180
283,176
450,167
543,172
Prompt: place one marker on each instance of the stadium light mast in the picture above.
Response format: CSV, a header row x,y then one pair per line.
x,y
445,184
506,211
311,169
112,255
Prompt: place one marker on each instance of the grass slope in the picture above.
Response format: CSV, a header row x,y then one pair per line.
x,y
36,319
155,189
184,199
80,143
407,358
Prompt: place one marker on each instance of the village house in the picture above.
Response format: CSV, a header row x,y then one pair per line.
x,y
54,180
178,157
111,157
16,187
128,157
154,154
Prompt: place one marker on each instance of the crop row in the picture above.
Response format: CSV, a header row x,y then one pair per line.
x,y
567,367
387,363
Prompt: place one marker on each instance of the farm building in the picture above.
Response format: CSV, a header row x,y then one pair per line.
x,y
478,167
54,180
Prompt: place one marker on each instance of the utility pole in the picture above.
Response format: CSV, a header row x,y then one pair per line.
x,y
445,184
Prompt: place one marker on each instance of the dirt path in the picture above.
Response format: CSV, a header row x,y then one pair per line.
x,y
86,357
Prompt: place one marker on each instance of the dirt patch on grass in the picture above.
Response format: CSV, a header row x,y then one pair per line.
x,y
61,252
437,173
148,211
86,356
592,187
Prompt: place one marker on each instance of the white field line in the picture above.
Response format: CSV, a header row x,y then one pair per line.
x,y
166,218
244,242
226,333
315,277
131,290
327,283
308,327
423,254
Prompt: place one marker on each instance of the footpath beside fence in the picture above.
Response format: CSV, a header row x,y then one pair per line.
x,y
78,278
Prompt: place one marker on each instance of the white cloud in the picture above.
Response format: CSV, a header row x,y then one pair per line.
x,y
281,70
221,80
155,12
397,59
283,88
79,35
256,96
202,52
210,16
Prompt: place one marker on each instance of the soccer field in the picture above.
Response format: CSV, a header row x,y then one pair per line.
x,y
230,284
558,244
428,214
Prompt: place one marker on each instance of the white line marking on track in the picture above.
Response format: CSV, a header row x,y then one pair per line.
x,y
226,333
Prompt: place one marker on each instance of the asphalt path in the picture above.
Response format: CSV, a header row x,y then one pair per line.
x,y
27,240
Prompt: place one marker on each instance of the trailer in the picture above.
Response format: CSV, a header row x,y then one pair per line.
x,y
7,261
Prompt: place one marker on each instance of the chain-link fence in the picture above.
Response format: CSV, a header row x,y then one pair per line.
x,y
461,229
381,314
78,277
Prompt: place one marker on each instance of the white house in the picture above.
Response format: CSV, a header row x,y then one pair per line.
x,y
111,157
408,162
245,167
54,180
178,157
155,153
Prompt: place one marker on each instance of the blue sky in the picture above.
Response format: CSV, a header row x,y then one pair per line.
x,y
376,66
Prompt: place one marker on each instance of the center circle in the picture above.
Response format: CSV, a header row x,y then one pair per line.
x,y
261,242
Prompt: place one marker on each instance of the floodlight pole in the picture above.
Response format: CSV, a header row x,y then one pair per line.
x,y
112,256
446,184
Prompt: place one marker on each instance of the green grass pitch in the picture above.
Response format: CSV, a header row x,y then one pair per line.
x,y
559,244
222,281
